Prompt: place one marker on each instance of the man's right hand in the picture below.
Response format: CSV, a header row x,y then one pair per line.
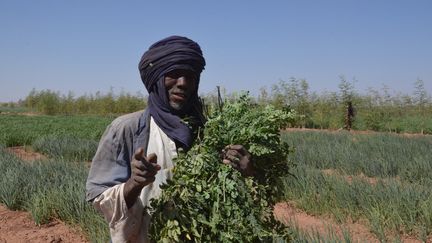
x,y
143,172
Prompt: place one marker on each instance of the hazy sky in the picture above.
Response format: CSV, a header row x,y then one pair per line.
x,y
92,45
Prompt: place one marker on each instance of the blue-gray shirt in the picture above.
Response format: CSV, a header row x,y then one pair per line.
x,y
111,164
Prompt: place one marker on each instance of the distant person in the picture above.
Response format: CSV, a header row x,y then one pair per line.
x,y
136,152
349,116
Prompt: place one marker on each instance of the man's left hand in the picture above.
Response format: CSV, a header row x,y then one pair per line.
x,y
239,158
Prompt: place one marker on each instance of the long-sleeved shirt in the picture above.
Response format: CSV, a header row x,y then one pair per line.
x,y
129,225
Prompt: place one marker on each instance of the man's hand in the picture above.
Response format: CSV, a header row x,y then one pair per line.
x,y
239,158
143,172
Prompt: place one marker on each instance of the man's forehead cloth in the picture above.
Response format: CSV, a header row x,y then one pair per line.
x,y
171,53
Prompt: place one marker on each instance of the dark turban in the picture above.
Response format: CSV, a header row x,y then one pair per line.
x,y
172,53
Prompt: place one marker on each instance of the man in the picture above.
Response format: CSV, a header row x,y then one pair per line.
x,y
136,152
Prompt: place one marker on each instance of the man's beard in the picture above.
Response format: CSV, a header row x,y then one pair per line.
x,y
176,105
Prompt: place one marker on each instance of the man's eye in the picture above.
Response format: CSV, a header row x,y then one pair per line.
x,y
178,73
174,75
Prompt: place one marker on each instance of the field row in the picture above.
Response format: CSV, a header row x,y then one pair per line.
x,y
380,180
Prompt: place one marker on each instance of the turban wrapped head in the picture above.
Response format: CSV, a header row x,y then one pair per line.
x,y
164,56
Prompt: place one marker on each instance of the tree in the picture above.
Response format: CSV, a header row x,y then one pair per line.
x,y
263,97
420,94
421,99
346,89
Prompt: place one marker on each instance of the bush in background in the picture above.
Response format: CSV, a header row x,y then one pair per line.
x,y
53,103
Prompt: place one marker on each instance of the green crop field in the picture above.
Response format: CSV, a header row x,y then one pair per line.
x,y
50,189
13,110
24,130
381,180
53,188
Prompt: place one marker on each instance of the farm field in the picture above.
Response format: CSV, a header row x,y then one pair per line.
x,y
350,187
18,129
381,181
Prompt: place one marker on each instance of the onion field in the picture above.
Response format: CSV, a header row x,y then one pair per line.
x,y
381,181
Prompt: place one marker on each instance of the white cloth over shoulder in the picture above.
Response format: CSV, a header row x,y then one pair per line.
x,y
131,225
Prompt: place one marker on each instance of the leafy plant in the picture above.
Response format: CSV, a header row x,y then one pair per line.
x,y
210,201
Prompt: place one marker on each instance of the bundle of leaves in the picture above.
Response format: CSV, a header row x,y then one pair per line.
x,y
207,200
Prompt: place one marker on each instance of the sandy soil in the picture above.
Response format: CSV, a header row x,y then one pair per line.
x,y
20,113
289,214
18,226
26,155
350,178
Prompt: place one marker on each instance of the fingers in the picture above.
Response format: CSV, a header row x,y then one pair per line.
x,y
239,148
239,158
230,162
143,172
143,176
145,163
152,158
139,154
232,157
144,168
141,181
235,152
147,166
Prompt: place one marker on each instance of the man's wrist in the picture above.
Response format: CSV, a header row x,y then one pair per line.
x,y
249,172
131,191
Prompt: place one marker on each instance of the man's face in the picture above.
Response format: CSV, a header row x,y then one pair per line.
x,y
180,85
